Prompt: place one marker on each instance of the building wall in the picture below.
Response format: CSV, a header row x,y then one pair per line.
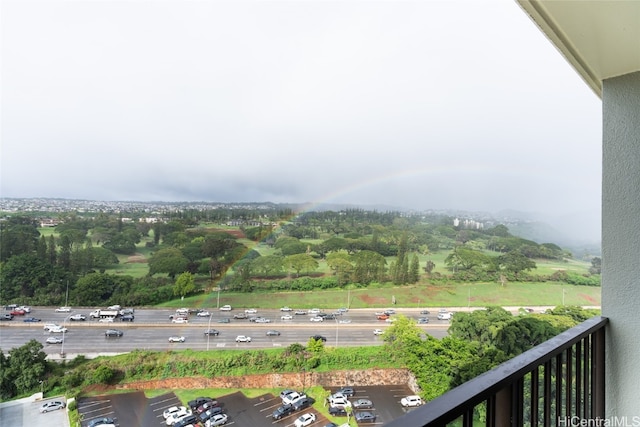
x,y
621,243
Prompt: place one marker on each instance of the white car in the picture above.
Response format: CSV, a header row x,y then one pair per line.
x,y
243,338
262,320
58,329
106,320
175,416
410,401
378,332
179,320
52,406
172,410
203,314
305,420
286,317
78,317
288,398
54,340
317,319
217,420
314,311
286,309
49,326
226,308
391,319
183,311
339,400
444,316
251,311
176,339
114,307
63,310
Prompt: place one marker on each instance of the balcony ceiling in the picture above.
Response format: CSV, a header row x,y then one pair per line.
x,y
601,39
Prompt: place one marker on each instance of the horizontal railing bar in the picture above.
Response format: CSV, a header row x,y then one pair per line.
x,y
452,404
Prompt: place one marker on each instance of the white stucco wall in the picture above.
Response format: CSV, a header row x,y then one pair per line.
x,y
621,243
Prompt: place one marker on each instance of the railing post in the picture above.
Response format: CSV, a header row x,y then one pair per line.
x,y
502,416
597,363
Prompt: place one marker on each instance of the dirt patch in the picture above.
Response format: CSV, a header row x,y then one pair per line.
x,y
368,377
589,298
235,233
136,258
371,300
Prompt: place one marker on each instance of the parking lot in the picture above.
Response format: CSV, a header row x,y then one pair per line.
x,y
134,409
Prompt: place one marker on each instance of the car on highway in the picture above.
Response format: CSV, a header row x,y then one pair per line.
x,y
176,339
18,312
213,332
389,311
58,329
378,332
411,401
103,421
282,411
113,333
48,326
240,316
106,320
31,319
316,319
286,317
224,320
318,338
180,320
127,318
362,404
251,311
314,311
243,338
203,314
444,316
273,333
77,317
217,420
286,309
7,316
424,312
172,410
52,405
300,313
423,320
305,420
262,320
226,308
54,340
63,309
365,417
382,316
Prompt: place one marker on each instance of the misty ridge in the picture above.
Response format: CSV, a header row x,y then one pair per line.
x,y
572,232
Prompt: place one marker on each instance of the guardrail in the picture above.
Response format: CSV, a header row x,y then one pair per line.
x,y
558,382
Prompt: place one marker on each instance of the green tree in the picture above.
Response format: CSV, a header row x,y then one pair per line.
x,y
268,265
170,261
94,289
26,367
185,284
301,262
340,263
369,267
515,262
414,269
463,258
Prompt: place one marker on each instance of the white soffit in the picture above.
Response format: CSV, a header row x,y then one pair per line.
x,y
601,39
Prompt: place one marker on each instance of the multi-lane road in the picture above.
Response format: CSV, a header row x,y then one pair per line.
x,y
152,328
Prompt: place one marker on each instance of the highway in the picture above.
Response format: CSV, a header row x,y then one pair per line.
x,y
153,327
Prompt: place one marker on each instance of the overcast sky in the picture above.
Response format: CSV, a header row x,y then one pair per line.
x,y
415,104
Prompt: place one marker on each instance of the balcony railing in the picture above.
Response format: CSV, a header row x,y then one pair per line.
x,y
557,383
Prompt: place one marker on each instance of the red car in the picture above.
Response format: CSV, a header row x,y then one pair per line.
x,y
18,312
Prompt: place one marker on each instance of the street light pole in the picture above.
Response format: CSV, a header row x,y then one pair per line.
x,y
209,331
64,327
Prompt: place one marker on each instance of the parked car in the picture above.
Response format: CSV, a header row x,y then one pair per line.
x,y
362,404
176,339
346,391
113,333
77,316
365,417
273,333
206,406
303,402
31,319
339,400
63,310
291,397
213,332
189,420
203,314
209,413
305,420
217,420
172,410
54,340
52,405
410,401
174,417
318,337
286,317
226,308
101,421
243,338
286,392
198,401
337,411
282,411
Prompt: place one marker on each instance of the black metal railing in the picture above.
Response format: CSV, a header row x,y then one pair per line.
x,y
556,383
